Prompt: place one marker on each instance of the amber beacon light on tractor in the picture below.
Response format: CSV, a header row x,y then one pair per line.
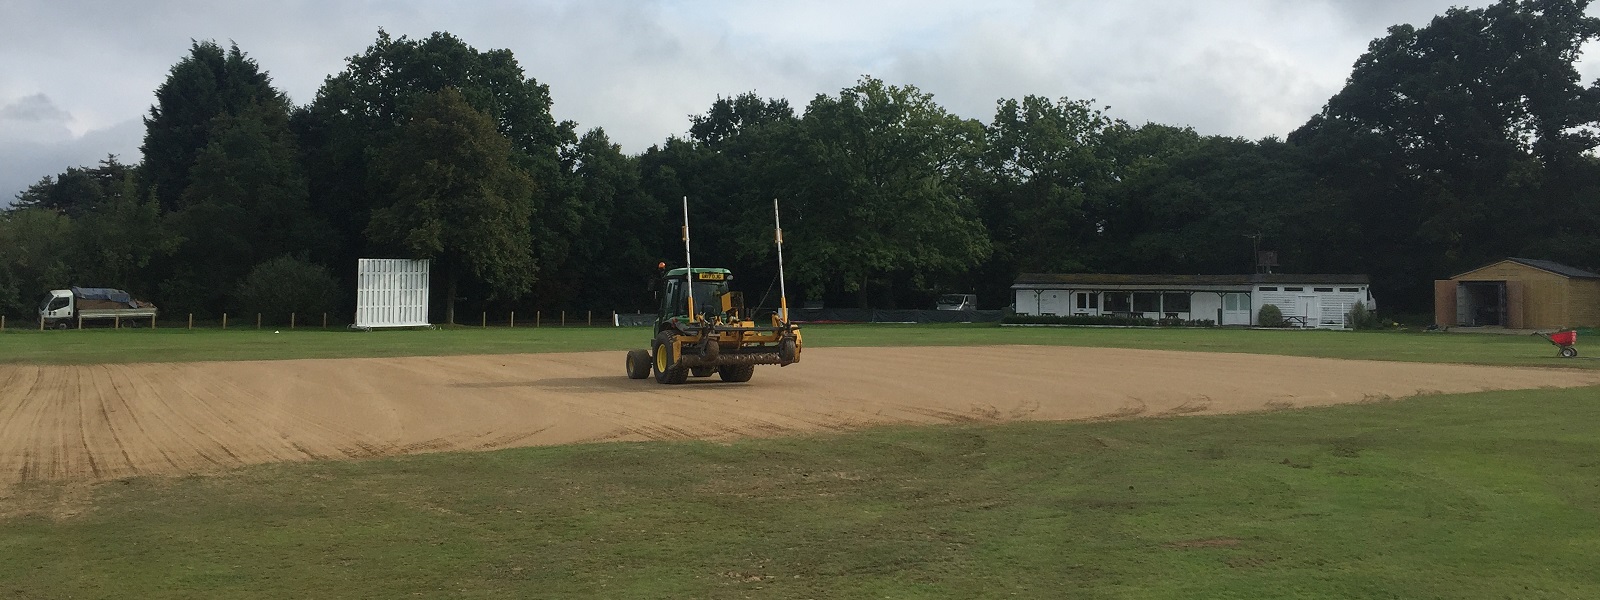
x,y
703,328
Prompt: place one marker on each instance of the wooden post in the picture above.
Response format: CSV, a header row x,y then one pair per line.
x,y
291,320
41,321
258,320
191,320
484,321
152,321
80,321
591,318
2,322
224,320
513,319
324,320
563,318
536,315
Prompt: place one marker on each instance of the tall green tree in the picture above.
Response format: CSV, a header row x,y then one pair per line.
x,y
1462,141
206,84
459,198
116,230
362,109
116,244
612,257
1195,208
1044,170
728,117
247,202
36,251
78,190
881,202
741,154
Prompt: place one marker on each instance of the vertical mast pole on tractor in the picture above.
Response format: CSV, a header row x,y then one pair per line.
x,y
688,265
783,292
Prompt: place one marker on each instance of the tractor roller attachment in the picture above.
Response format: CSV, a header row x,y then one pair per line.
x,y
721,344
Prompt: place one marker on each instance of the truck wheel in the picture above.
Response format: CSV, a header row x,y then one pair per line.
x,y
736,373
638,364
61,325
667,370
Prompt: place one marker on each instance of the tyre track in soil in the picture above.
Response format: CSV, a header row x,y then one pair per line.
x,y
98,422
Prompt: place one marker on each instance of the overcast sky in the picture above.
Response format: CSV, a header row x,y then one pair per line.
x,y
77,76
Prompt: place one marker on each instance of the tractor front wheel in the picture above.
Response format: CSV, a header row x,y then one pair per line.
x,y
664,363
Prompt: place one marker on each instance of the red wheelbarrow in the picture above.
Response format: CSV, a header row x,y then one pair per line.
x,y
1566,340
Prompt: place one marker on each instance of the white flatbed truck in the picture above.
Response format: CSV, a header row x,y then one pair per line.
x,y
63,309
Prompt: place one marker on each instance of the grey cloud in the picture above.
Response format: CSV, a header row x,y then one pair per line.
x,y
33,119
33,109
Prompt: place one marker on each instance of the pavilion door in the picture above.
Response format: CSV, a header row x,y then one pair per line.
x,y
1088,303
1309,307
1235,309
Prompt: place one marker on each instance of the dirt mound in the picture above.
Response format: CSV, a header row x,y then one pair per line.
x,y
113,421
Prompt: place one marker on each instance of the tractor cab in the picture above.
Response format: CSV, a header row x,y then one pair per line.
x,y
712,300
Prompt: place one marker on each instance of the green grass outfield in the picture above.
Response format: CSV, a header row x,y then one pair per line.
x,y
1492,495
181,345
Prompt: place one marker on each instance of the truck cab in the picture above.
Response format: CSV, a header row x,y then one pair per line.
x,y
56,307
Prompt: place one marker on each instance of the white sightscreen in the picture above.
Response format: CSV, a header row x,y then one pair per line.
x,y
391,292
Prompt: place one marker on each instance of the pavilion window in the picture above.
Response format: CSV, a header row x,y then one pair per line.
x,y
1117,302
1146,302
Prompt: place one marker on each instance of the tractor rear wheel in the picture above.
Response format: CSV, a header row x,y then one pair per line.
x,y
638,364
736,373
666,367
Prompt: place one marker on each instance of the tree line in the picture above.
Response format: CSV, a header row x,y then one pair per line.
x,y
1451,145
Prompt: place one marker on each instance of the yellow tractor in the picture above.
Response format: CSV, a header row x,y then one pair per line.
x,y
702,328
714,335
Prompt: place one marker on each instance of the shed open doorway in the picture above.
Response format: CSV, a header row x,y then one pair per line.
x,y
1481,303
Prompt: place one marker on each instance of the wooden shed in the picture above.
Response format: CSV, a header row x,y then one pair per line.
x,y
1519,293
